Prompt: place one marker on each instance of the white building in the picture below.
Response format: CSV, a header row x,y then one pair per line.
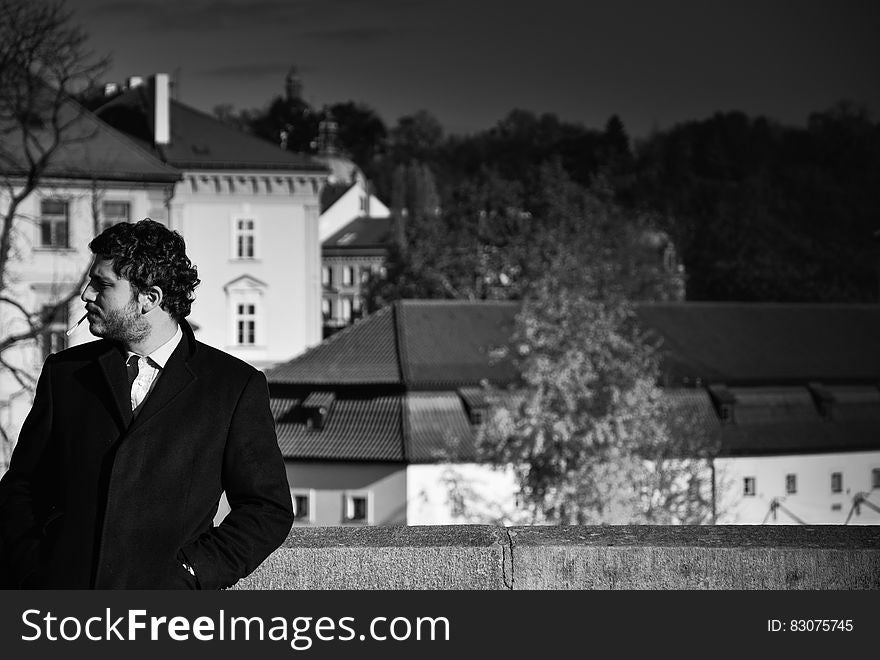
x,y
249,213
355,202
98,177
829,488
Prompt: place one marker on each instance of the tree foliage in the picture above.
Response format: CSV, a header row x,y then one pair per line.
x,y
44,62
586,426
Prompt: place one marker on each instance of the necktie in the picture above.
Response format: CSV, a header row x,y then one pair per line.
x,y
132,367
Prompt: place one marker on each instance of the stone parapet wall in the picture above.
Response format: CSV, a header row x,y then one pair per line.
x,y
626,557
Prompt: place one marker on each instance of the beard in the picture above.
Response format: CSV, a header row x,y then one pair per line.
x,y
125,325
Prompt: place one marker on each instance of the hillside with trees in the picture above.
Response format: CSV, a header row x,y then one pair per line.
x,y
757,210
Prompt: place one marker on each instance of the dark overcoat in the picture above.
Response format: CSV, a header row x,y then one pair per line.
x,y
93,499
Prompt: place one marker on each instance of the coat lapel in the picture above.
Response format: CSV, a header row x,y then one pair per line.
x,y
113,367
173,379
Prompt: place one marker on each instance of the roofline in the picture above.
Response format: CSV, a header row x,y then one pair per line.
x,y
116,176
754,305
250,166
377,250
328,459
756,452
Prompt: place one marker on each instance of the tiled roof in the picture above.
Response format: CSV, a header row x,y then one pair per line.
x,y
319,400
799,438
198,141
452,342
416,427
692,413
356,429
412,342
768,342
92,150
760,405
363,232
430,357
439,429
365,352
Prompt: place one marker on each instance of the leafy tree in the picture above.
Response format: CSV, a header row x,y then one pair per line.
x,y
763,211
493,238
44,62
587,428
362,134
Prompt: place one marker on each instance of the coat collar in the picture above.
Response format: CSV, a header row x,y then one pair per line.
x,y
175,377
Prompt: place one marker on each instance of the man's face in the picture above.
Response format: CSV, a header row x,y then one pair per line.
x,y
112,305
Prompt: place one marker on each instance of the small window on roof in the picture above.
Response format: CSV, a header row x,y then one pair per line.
x,y
346,238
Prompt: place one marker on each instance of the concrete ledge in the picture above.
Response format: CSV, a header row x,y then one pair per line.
x,y
631,557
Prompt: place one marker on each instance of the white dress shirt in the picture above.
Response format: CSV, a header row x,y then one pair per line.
x,y
150,368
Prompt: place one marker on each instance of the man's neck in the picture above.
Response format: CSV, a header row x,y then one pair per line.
x,y
159,334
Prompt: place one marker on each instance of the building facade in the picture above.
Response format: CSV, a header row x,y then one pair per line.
x,y
249,212
350,259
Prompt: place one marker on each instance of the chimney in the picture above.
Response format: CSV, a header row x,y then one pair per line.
x,y
162,116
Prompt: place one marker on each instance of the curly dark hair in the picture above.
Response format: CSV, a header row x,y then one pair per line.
x,y
147,254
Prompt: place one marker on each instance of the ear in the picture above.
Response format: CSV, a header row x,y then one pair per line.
x,y
150,299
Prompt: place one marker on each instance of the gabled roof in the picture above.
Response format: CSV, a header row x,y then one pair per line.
x,y
198,141
90,150
362,353
424,342
429,356
775,343
360,233
416,343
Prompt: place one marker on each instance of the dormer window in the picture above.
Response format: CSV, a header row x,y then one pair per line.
x,y
316,407
474,399
723,400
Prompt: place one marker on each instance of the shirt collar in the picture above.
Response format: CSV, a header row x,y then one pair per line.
x,y
160,355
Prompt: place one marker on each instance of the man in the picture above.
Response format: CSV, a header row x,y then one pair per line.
x,y
120,464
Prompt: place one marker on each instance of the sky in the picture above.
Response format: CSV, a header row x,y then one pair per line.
x,y
470,62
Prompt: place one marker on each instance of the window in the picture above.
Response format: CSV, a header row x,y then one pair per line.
x,y
327,276
791,484
112,213
345,309
347,275
54,223
875,478
244,238
363,202
246,324
326,308
356,304
836,482
54,335
365,274
302,505
749,487
357,508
